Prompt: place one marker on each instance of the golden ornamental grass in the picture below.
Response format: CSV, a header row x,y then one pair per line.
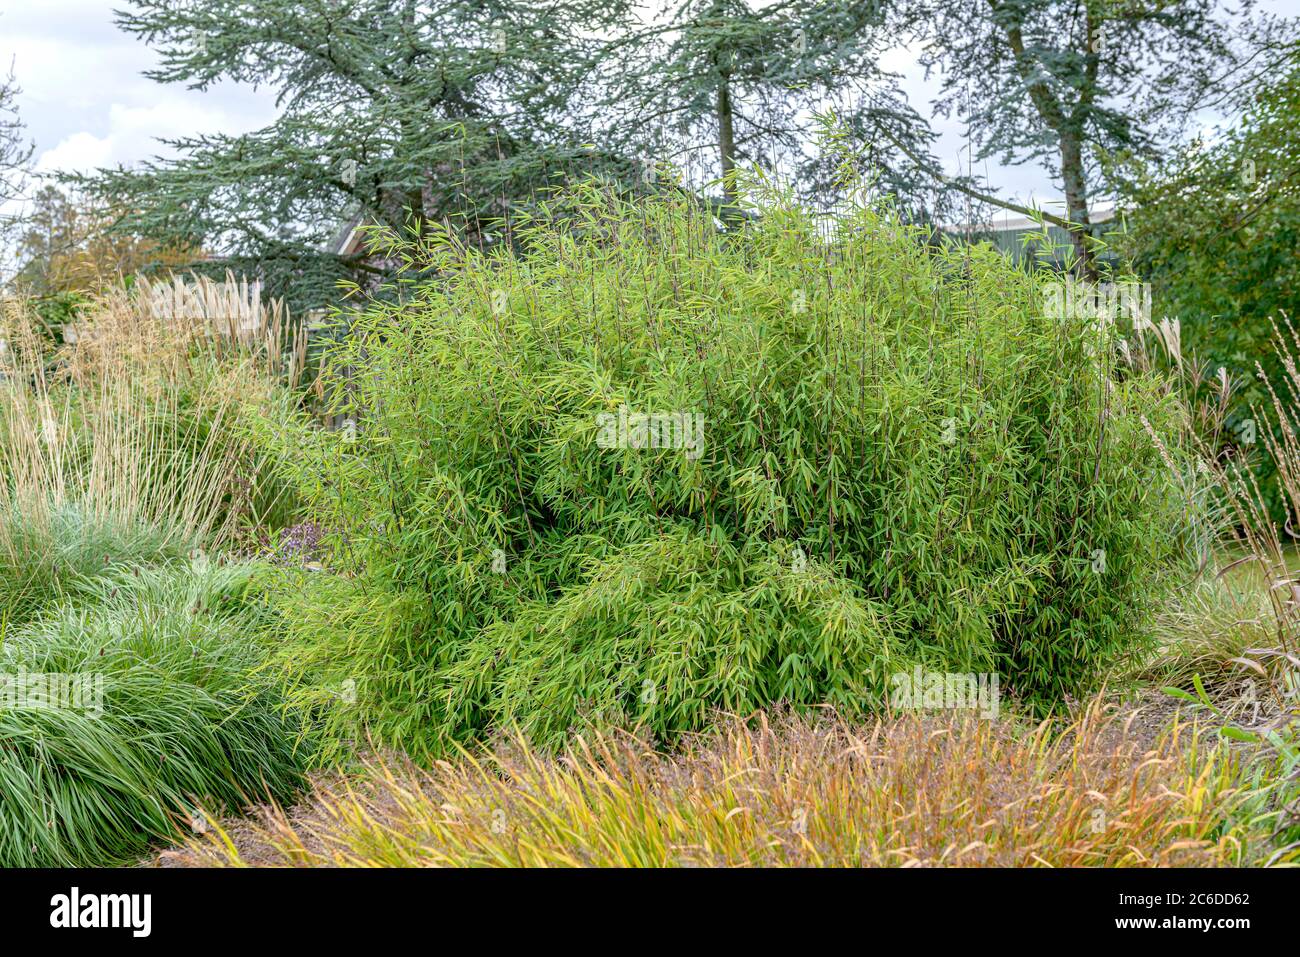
x,y
129,420
912,790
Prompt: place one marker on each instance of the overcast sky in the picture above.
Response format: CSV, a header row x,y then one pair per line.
x,y
84,99
87,105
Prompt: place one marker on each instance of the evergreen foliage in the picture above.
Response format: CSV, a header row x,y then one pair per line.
x,y
904,460
1215,229
392,111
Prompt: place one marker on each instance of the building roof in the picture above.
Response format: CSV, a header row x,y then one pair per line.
x,y
1008,222
347,240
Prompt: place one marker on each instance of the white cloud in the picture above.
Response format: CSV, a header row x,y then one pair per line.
x,y
85,99
77,152
133,133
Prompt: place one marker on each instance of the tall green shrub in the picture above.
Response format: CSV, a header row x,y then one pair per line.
x,y
904,460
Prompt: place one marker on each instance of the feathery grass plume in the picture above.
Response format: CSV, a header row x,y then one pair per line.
x,y
1249,503
1228,643
913,790
167,720
230,318
136,420
125,700
648,468
1204,632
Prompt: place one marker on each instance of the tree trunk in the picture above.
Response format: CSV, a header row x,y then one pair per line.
x,y
726,139
1076,204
